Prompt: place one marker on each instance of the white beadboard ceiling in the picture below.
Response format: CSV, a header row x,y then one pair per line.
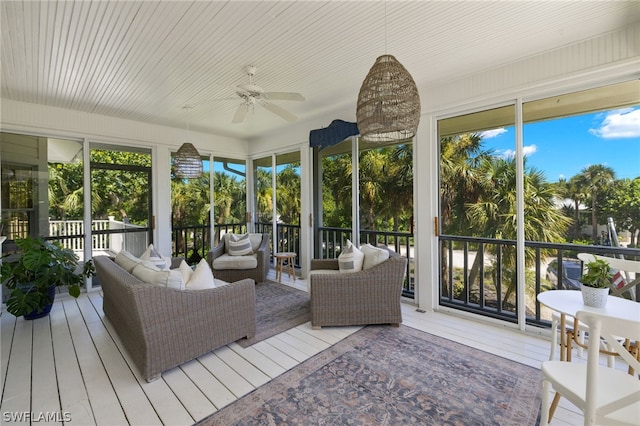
x,y
146,60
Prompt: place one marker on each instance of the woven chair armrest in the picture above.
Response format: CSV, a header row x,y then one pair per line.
x,y
389,274
264,245
217,251
263,253
331,264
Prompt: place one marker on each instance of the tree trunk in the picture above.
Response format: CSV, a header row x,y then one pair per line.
x,y
594,219
576,218
444,272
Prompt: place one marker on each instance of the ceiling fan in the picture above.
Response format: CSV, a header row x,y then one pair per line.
x,y
252,94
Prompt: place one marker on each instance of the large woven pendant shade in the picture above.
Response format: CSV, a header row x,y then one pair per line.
x,y
187,163
388,106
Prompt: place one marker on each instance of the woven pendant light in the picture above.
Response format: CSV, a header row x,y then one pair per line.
x,y
388,108
187,163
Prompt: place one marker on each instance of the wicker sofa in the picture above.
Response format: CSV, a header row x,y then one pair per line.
x,y
232,273
370,296
162,327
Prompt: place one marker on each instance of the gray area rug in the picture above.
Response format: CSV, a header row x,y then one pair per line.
x,y
393,376
278,308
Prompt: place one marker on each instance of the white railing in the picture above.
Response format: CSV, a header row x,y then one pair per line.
x,y
135,243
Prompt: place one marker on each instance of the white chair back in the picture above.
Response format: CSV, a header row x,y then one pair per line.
x,y
614,331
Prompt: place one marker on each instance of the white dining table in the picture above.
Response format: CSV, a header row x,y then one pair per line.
x,y
569,302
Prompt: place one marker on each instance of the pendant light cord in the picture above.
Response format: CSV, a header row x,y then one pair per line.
x,y
385,27
187,109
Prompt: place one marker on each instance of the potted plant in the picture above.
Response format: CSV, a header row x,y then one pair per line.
x,y
596,283
40,268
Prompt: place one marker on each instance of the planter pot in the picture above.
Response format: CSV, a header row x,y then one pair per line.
x,y
51,292
595,297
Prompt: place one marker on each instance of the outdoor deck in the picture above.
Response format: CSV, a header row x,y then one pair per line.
x,y
89,380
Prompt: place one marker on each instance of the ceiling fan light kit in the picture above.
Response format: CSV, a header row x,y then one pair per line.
x,y
252,94
388,107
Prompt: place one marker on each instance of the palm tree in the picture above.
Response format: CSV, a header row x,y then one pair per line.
x,y
372,176
264,194
575,191
224,190
459,157
494,214
398,185
336,190
288,194
592,180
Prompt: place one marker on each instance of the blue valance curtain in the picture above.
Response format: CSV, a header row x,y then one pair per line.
x,y
335,133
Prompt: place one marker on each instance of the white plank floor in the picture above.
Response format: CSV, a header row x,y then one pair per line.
x,y
70,368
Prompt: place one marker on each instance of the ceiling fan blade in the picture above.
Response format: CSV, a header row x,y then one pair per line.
x,y
241,113
284,96
279,111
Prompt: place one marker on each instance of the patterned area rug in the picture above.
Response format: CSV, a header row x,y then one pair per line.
x,y
278,308
393,376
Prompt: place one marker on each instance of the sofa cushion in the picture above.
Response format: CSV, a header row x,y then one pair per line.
x,y
152,255
126,260
202,277
150,273
351,259
239,245
373,255
226,261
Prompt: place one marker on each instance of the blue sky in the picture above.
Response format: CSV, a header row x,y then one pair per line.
x,y
563,147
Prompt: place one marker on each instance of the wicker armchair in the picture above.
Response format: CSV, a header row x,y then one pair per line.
x,y
258,274
371,296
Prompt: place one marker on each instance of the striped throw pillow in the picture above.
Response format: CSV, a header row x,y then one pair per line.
x,y
351,259
239,245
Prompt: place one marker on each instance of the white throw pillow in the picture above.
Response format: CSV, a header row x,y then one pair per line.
x,y
150,273
239,245
202,277
126,260
351,259
185,271
152,255
373,255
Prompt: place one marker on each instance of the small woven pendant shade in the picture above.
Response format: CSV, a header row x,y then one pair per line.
x,y
187,163
388,106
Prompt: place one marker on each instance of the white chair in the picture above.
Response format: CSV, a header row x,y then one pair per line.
x,y
605,395
555,324
580,333
623,265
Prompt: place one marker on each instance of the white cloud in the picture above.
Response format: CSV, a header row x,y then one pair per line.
x,y
526,150
622,123
487,134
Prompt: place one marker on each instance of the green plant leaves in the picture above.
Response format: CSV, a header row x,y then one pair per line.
x,y
21,303
74,290
598,274
42,265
